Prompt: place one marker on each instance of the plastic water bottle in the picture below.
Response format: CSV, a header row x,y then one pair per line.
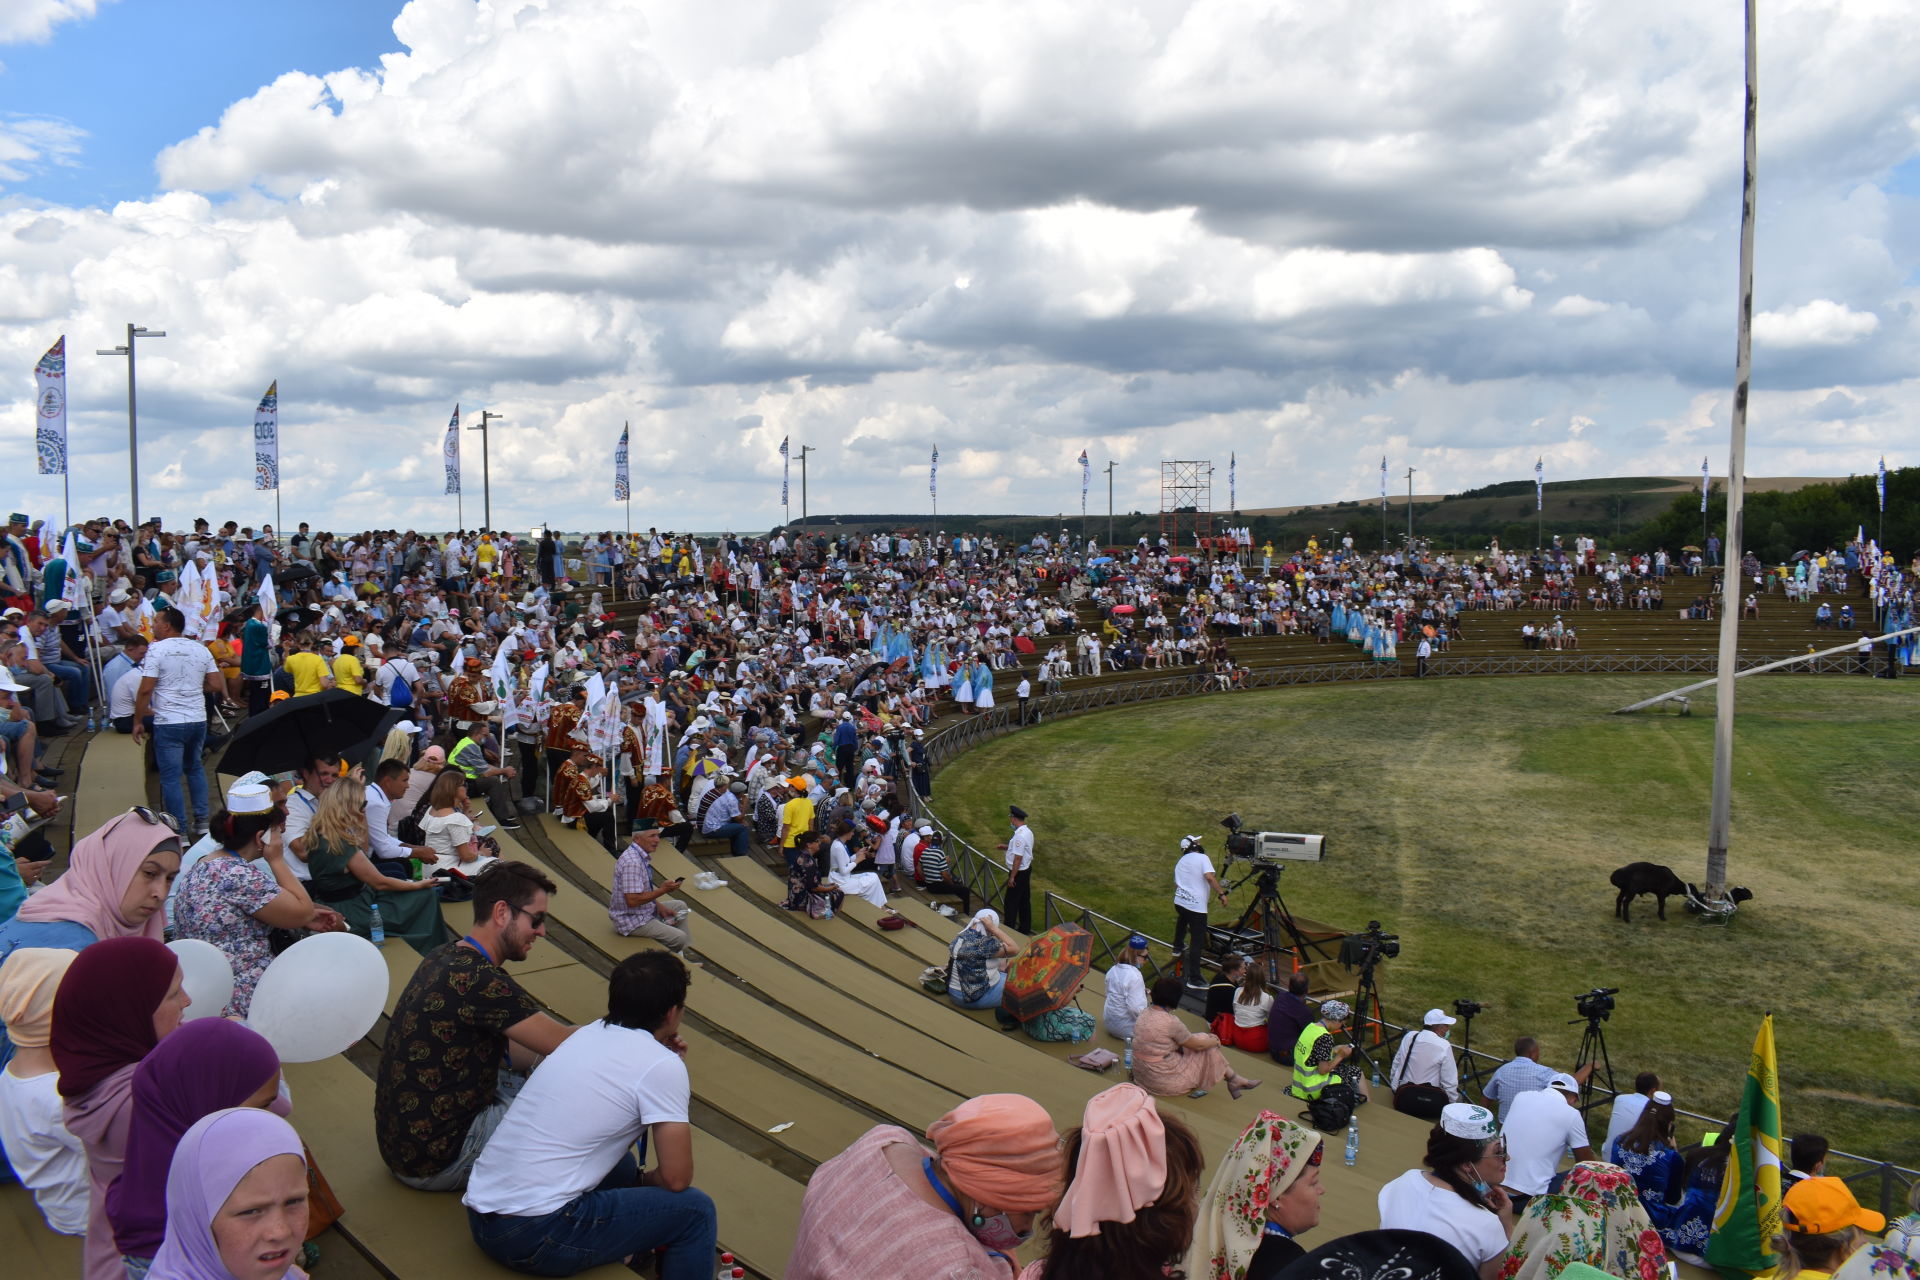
x,y
829,913
1376,1077
1353,1140
376,930
1129,1056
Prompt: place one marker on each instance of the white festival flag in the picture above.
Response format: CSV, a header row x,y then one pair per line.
x,y
1539,482
187,597
73,591
1706,482
266,439
786,469
622,487
933,475
537,686
50,409
1232,502
450,452
1086,478
1383,479
501,676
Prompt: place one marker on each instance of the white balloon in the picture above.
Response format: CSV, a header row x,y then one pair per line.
x,y
206,975
319,996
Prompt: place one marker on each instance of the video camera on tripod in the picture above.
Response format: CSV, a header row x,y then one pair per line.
x,y
1597,1004
1270,848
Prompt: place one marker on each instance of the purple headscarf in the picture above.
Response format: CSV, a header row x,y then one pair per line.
x,y
211,1159
205,1066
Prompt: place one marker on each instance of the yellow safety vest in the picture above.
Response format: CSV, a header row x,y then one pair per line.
x,y
1307,1081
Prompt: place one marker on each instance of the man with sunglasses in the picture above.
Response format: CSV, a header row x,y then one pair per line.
x,y
463,1037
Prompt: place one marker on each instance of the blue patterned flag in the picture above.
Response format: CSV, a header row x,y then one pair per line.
x,y
933,475
786,469
451,452
1383,479
266,439
622,488
50,409
1880,482
1086,478
1232,503
1539,483
1706,482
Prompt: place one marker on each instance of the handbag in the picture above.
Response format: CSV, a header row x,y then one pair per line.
x,y
1424,1101
1330,1111
323,1207
934,979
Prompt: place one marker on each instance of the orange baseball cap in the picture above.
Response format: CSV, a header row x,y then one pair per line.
x,y
1821,1205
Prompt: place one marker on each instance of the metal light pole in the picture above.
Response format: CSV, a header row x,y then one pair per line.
x,y
133,413
1410,471
486,473
1110,503
805,449
1721,814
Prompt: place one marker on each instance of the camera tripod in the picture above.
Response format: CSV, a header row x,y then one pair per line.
x,y
1469,1065
1275,921
1593,1048
1366,1011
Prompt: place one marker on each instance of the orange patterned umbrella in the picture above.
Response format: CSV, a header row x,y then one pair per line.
x,y
1045,976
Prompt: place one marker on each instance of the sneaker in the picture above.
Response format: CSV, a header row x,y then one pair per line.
x,y
510,825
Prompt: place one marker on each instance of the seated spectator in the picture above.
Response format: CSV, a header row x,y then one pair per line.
x,y
1225,986
208,1065
236,1200
1132,1193
1319,1062
420,779
1541,1127
1806,1158
463,1036
1287,1018
1594,1218
1822,1225
1524,1073
975,976
123,693
806,891
840,869
1627,1107
346,880
389,854
1264,1195
1424,1077
557,1189
116,882
936,873
1244,1026
118,999
1457,1196
448,827
1169,1059
1903,1237
960,1208
227,899
723,820
1126,995
639,906
50,1162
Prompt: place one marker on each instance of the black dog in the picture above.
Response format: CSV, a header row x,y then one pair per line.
x,y
1650,878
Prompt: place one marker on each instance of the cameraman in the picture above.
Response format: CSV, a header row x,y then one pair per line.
x,y
1194,882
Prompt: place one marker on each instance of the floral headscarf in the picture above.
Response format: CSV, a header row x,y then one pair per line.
x,y
1595,1218
1266,1159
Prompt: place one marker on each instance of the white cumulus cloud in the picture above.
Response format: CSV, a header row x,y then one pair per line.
x,y
1820,323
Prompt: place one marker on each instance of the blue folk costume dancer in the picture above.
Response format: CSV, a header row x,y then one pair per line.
x,y
983,686
933,665
963,684
899,646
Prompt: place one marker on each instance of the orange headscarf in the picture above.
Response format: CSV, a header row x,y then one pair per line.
x,y
1002,1150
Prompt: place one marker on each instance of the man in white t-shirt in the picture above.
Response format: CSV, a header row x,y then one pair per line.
x,y
174,680
1627,1108
557,1190
1194,884
1126,990
1541,1127
397,668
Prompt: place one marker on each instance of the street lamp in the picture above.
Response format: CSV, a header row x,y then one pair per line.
x,y
133,413
805,449
486,473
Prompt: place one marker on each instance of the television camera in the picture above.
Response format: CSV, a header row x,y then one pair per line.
x,y
1597,1004
1270,848
1594,1007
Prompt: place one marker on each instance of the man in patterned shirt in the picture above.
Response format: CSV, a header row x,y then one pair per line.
x,y
463,1037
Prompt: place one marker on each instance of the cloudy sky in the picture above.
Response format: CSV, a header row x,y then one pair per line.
x,y
1459,234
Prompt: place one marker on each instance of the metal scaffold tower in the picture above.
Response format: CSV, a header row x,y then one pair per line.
x,y
1186,502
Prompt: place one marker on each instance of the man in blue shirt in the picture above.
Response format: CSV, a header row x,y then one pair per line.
x,y
1524,1074
846,747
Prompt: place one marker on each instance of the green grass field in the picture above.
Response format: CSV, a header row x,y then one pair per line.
x,y
1479,819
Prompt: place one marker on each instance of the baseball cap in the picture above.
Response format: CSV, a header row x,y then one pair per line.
x,y
1823,1205
8,684
1436,1018
1563,1082
1138,942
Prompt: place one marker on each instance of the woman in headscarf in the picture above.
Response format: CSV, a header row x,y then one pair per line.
x,y
207,1066
116,882
50,1162
1129,1205
118,1000
973,979
236,1201
1264,1195
1169,1059
1595,1218
889,1204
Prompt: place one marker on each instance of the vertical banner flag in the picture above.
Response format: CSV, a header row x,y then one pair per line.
x,y
1747,1217
450,452
1086,478
1383,479
622,486
1539,483
786,469
933,475
50,395
1879,482
266,439
1706,482
1232,503
72,589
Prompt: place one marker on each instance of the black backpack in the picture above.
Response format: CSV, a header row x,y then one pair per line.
x,y
1330,1111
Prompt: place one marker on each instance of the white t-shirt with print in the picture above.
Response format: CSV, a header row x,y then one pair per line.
x,y
179,668
1190,880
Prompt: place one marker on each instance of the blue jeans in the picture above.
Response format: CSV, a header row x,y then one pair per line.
x,y
736,833
176,749
989,999
79,683
614,1221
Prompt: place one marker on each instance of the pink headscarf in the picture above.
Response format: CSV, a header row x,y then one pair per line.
x,y
1123,1161
98,873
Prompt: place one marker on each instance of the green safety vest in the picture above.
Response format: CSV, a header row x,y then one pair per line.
x,y
1308,1082
460,746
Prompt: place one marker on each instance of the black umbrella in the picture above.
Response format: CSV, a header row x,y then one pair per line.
x,y
288,734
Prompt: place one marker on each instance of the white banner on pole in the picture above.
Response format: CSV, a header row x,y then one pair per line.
x,y
1539,483
1706,482
933,475
50,409
786,469
1086,478
450,452
266,439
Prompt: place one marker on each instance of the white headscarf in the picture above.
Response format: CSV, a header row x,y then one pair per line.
x,y
982,918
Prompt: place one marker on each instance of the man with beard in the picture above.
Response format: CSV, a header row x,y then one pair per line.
x,y
463,1037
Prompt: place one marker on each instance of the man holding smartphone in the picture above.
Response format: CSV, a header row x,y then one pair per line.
x,y
639,906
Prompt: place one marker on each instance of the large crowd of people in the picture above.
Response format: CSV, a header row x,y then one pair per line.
x,y
653,687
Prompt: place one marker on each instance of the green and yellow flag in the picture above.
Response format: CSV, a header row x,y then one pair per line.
x,y
1748,1215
